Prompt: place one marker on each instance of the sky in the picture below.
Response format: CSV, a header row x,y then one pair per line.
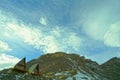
x,y
30,28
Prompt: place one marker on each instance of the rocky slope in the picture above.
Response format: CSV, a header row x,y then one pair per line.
x,y
111,69
62,66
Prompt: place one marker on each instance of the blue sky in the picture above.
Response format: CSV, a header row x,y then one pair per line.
x,y
30,28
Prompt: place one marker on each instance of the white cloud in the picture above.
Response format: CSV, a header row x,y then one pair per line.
x,y
99,27
57,31
67,41
7,61
109,35
43,21
52,42
34,37
112,36
58,39
4,47
75,41
94,29
29,35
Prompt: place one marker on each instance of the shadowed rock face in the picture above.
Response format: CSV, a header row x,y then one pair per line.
x,y
21,66
63,66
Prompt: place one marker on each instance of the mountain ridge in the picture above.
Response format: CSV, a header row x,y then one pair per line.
x,y
63,66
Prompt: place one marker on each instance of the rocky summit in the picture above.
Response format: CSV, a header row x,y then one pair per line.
x,y
63,66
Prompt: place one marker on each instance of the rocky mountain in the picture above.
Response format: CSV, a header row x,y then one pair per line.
x,y
111,69
63,66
